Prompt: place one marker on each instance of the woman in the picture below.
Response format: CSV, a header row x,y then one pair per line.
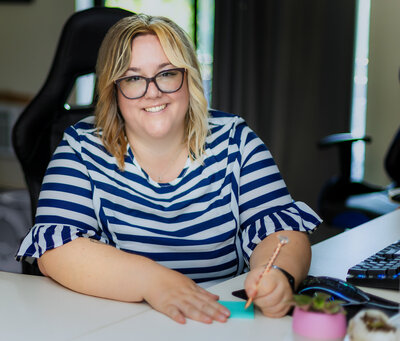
x,y
155,199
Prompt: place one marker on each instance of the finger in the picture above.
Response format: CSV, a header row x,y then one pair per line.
x,y
250,287
266,302
216,313
210,305
195,312
273,314
276,311
251,292
201,308
273,305
174,313
272,290
215,310
262,289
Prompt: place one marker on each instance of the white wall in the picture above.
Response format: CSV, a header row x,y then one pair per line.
x,y
28,36
383,107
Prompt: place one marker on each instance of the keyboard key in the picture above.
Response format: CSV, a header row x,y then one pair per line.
x,y
376,271
391,253
357,271
393,271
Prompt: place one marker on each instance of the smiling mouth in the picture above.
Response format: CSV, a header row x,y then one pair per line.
x,y
156,109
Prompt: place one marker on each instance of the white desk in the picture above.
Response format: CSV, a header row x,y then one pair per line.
x,y
36,308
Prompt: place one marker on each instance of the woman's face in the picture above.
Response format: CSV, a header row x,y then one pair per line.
x,y
156,115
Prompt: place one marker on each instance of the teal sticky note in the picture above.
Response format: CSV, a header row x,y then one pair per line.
x,y
237,309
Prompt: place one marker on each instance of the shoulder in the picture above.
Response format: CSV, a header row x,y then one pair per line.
x,y
229,125
83,134
83,127
228,134
219,118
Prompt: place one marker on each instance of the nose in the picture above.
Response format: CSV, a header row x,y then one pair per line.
x,y
152,90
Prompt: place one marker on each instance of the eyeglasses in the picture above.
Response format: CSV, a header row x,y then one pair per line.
x,y
167,81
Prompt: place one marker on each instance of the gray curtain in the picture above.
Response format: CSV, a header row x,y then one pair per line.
x,y
286,67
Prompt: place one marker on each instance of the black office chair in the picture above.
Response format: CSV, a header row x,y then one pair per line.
x,y
39,129
344,203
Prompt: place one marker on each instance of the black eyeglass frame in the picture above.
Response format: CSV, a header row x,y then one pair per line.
x,y
149,80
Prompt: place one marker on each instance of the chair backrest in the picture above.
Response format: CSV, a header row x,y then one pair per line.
x,y
392,160
39,129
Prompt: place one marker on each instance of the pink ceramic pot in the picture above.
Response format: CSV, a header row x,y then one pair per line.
x,y
318,325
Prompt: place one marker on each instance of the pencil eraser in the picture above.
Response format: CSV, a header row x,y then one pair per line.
x,y
237,309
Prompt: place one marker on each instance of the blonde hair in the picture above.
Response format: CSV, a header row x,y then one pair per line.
x,y
112,63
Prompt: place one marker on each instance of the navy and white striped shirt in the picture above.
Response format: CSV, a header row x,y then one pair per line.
x,y
205,223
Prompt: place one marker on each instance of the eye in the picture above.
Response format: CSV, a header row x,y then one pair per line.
x,y
133,79
167,73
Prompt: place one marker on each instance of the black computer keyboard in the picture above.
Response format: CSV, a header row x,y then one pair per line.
x,y
381,270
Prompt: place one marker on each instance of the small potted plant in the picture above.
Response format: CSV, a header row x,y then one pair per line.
x,y
319,317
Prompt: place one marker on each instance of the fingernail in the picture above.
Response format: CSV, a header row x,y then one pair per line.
x,y
222,317
207,319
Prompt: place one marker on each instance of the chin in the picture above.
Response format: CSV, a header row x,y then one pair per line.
x,y
158,133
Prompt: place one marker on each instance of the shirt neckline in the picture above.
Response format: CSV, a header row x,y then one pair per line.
x,y
152,182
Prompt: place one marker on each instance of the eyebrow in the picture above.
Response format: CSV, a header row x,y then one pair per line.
x,y
135,69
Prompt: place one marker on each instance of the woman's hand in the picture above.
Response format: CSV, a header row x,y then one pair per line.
x,y
178,297
273,294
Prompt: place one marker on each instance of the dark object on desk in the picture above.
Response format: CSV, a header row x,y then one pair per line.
x,y
40,127
394,194
241,293
345,203
339,290
381,270
355,298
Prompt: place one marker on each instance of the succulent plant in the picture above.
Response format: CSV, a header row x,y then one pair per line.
x,y
320,302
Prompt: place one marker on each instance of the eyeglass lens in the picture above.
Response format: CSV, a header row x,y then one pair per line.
x,y
166,81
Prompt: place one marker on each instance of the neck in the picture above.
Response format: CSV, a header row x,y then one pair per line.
x,y
156,146
163,162
158,149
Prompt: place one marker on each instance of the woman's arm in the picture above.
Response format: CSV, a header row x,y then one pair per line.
x,y
97,269
274,291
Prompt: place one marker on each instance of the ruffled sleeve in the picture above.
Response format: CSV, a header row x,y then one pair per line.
x,y
46,237
265,205
65,208
296,216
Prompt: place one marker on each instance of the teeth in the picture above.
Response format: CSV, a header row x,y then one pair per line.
x,y
155,109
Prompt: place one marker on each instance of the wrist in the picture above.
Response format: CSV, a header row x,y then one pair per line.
x,y
288,276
